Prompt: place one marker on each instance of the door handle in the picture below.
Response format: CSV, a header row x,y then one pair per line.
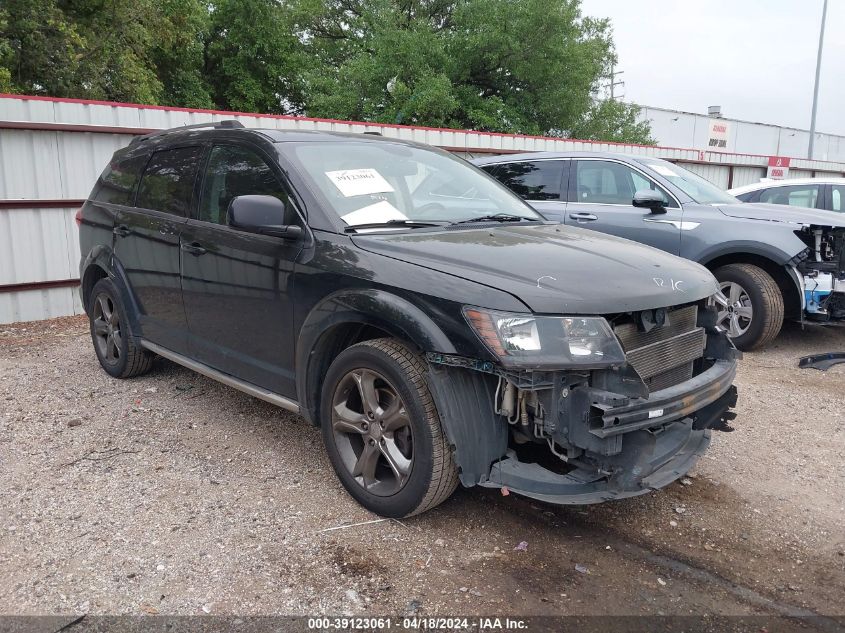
x,y
583,217
121,230
194,248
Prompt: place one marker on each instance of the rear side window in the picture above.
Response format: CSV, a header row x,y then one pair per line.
x,y
235,171
794,196
168,182
746,197
532,180
117,182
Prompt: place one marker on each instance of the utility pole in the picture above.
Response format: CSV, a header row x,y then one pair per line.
x,y
614,83
816,88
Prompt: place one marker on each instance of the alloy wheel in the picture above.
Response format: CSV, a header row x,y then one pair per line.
x,y
107,328
735,309
372,432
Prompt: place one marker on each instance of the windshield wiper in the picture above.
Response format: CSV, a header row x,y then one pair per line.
x,y
411,224
497,217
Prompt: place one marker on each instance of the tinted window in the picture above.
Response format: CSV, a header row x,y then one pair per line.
x,y
837,197
235,171
794,196
746,197
538,180
605,182
117,182
168,181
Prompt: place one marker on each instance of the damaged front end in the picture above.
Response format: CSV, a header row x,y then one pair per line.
x,y
632,418
820,270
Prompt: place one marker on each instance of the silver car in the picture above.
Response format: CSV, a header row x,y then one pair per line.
x,y
772,262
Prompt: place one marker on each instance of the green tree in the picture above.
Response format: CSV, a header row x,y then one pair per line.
x,y
519,66
253,58
5,55
615,121
528,67
149,51
178,53
39,47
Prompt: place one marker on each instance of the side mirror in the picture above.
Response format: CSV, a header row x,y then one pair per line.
x,y
649,199
265,215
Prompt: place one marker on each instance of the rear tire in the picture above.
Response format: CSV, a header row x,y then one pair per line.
x,y
382,431
754,314
118,353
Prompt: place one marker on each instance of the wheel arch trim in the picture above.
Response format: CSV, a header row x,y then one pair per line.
x,y
103,257
377,308
773,254
779,267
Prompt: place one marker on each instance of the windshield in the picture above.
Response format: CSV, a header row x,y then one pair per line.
x,y
700,190
382,182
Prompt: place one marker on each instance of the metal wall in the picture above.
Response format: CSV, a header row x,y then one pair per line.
x,y
747,175
687,129
719,175
52,150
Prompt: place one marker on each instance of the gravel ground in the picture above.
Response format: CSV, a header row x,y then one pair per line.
x,y
172,494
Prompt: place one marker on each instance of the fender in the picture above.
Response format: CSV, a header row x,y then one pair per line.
x,y
378,308
99,257
102,256
771,252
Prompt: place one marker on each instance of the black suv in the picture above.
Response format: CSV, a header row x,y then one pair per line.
x,y
433,324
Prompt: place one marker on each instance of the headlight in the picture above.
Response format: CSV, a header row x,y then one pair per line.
x,y
526,341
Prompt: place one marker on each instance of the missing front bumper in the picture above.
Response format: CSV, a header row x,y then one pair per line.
x,y
654,450
674,453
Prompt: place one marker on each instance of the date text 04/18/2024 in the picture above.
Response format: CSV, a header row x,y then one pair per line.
x,y
415,623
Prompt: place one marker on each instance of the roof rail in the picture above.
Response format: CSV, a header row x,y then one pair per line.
x,y
372,133
225,124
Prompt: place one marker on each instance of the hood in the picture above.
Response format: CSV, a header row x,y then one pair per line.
x,y
553,268
783,213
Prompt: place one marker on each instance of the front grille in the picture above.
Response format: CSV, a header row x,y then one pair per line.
x,y
664,356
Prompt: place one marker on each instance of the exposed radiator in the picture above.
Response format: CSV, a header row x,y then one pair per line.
x,y
664,356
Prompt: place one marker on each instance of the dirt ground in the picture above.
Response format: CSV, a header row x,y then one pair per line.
x,y
172,494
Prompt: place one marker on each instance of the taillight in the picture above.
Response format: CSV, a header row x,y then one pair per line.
x,y
79,217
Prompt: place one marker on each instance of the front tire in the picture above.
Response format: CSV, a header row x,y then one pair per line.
x,y
753,315
382,431
117,352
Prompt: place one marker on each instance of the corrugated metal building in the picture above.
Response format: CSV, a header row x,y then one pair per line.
x,y
688,129
52,150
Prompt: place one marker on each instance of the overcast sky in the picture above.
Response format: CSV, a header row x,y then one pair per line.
x,y
755,58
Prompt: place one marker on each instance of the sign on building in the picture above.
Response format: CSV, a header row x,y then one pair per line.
x,y
778,168
718,135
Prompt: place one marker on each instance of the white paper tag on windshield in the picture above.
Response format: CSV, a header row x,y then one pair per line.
x,y
663,170
379,212
359,182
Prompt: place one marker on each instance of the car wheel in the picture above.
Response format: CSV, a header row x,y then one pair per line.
x,y
752,312
382,431
118,354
